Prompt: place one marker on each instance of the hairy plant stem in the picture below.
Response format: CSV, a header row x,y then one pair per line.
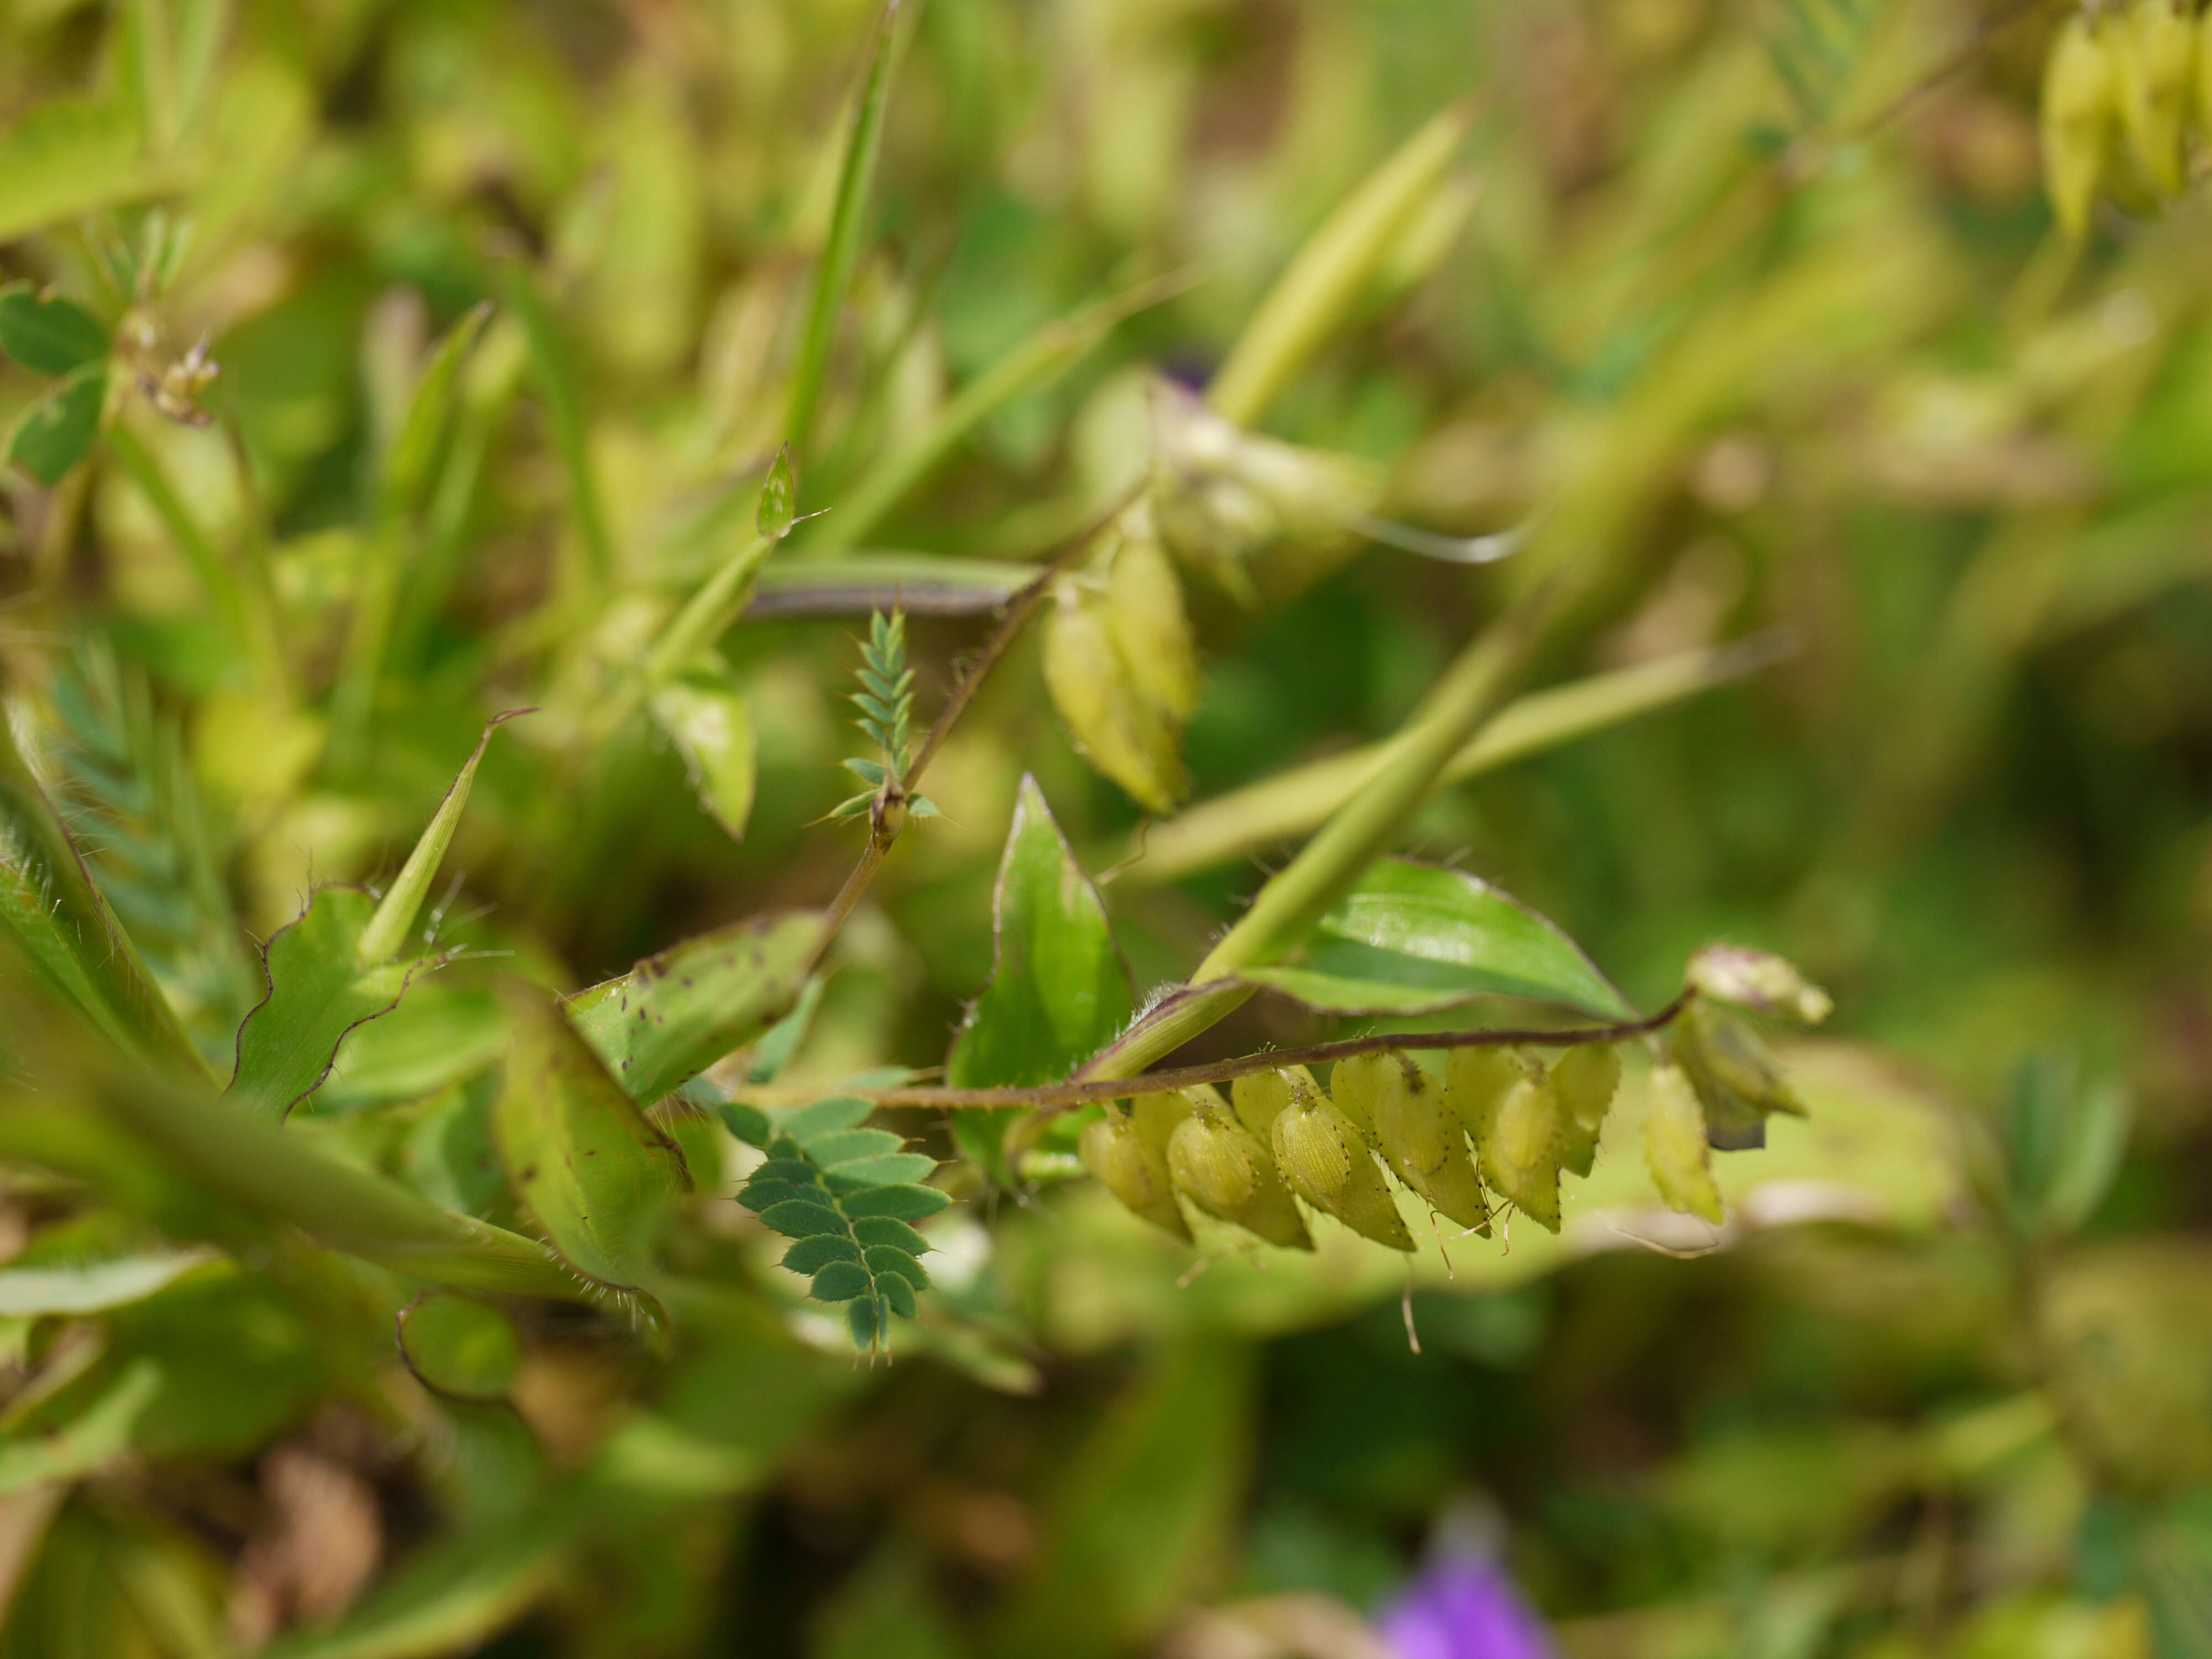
x,y
1084,1092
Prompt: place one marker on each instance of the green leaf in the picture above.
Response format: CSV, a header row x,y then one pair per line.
x,y
50,334
597,1177
564,413
1415,937
818,1250
57,432
873,1230
800,1217
888,1259
847,221
63,925
387,931
674,1015
69,158
900,1203
1058,990
892,1170
98,1435
840,1281
317,991
824,1117
705,715
845,1144
459,1347
779,498
417,447
31,1292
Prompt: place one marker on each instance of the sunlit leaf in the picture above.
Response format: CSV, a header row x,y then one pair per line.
x,y
674,1015
317,991
92,1286
1415,937
68,158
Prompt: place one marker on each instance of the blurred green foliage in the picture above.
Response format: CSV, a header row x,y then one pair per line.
x,y
1754,310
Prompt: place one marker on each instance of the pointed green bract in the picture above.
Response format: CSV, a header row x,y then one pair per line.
x,y
1416,937
1059,989
58,431
386,932
49,333
317,991
586,1164
674,1015
779,499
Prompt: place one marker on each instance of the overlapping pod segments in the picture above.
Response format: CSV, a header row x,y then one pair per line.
x,y
2122,85
1499,1115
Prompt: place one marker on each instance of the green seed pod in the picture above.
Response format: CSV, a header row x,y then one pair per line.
x,y
1327,1162
2080,98
1420,1138
1521,1154
1475,1081
1119,730
1144,604
1350,1092
1674,1146
1585,1079
1735,1075
1133,1171
2154,50
1157,1117
1259,1098
1228,1174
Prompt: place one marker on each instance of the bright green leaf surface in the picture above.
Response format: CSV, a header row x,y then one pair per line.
x,y
460,1346
317,991
92,1286
53,335
1416,937
57,432
597,1177
674,1015
705,715
69,157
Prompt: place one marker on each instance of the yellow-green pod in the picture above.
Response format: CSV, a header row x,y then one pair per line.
x,y
2080,111
1143,604
1119,730
1585,1079
1259,1098
1133,1171
1675,1145
1156,1117
1475,1081
1327,1162
2154,49
1521,1154
1355,1085
1229,1175
1423,1141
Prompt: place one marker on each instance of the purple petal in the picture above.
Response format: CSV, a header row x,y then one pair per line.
x,y
1464,1608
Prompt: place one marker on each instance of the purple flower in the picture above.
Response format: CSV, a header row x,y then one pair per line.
x,y
1463,1607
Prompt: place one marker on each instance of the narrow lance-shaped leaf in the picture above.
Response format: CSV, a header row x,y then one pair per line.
x,y
564,410
1415,937
407,468
596,1176
49,906
387,930
51,334
1059,989
674,1015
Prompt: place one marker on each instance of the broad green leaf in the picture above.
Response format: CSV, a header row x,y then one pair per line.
x,y
50,907
58,431
674,1015
97,1437
1416,937
706,716
1058,990
387,931
49,333
317,991
459,1347
439,1035
92,1286
69,158
584,1162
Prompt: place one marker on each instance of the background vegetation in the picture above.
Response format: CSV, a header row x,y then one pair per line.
x,y
1754,309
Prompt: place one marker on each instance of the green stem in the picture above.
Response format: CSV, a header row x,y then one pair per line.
x,y
721,600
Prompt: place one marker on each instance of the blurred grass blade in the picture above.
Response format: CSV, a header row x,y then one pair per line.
x,y
395,916
1288,804
580,1155
847,221
415,448
1058,990
674,1015
318,990
69,158
49,906
1334,270
88,1287
564,413
1038,360
192,539
1412,938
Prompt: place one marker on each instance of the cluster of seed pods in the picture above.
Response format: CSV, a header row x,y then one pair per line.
x,y
1502,1125
2125,82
